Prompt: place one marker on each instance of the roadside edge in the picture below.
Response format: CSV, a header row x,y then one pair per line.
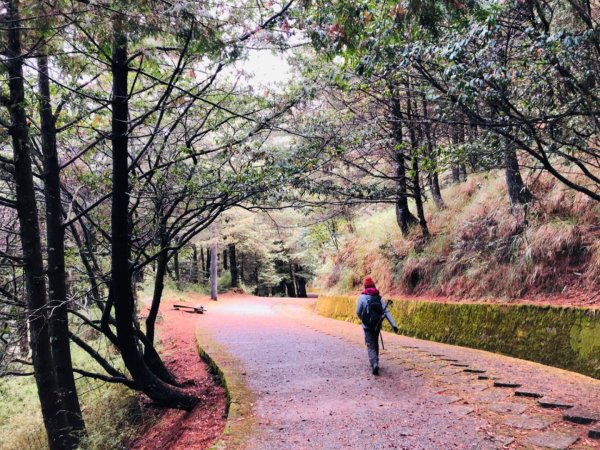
x,y
226,370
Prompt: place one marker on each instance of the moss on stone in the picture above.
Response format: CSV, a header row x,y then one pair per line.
x,y
568,338
227,371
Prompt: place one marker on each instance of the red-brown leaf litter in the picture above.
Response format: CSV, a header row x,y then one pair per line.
x,y
179,430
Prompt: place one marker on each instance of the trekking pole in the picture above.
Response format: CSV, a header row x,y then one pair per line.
x,y
388,303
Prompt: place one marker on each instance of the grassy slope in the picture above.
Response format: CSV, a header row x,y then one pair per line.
x,y
478,249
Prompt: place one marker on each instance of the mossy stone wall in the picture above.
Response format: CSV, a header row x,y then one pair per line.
x,y
568,338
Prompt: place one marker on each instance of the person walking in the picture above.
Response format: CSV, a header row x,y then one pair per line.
x,y
371,309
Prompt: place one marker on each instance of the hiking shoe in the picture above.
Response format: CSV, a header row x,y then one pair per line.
x,y
376,370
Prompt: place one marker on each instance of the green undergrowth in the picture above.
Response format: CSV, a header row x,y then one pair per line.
x,y
568,338
479,248
113,413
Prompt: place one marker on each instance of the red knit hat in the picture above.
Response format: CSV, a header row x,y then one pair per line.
x,y
369,283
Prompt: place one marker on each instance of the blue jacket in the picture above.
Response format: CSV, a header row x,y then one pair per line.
x,y
362,304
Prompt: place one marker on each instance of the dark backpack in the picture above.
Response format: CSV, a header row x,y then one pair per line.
x,y
373,312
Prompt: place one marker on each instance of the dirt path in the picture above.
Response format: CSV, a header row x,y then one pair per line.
x,y
179,430
314,389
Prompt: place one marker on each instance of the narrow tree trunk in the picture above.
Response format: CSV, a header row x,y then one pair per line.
x,y
176,268
463,172
194,264
29,231
152,386
416,179
291,287
235,281
242,265
404,217
214,271
207,265
225,260
202,262
419,197
159,285
518,193
300,281
59,323
432,175
456,140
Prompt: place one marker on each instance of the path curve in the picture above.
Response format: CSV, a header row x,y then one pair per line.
x,y
312,387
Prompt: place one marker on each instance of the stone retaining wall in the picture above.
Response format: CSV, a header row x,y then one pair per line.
x,y
568,338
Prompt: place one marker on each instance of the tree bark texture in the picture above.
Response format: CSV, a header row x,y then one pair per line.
x,y
416,181
214,269
194,265
404,217
233,269
432,175
57,288
29,232
518,193
300,282
207,265
121,282
225,260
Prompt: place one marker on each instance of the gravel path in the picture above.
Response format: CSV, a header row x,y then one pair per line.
x,y
314,389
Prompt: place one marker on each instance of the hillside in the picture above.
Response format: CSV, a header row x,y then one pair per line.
x,y
478,249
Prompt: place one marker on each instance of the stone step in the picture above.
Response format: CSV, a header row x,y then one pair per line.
x,y
553,439
506,384
554,403
474,371
581,416
525,393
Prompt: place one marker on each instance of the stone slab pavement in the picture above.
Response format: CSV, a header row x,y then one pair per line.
x,y
312,387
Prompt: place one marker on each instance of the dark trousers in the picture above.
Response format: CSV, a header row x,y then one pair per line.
x,y
372,341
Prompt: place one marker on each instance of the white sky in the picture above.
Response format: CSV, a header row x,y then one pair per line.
x,y
266,68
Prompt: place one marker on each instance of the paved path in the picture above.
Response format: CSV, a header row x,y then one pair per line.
x,y
314,390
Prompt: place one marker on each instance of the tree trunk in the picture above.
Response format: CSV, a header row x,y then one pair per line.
x,y
242,264
432,175
518,193
29,232
404,217
457,139
152,386
159,285
235,280
416,179
59,323
463,172
176,268
301,282
290,285
207,265
214,271
202,262
419,197
194,265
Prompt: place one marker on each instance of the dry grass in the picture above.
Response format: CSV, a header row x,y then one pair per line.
x,y
479,246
